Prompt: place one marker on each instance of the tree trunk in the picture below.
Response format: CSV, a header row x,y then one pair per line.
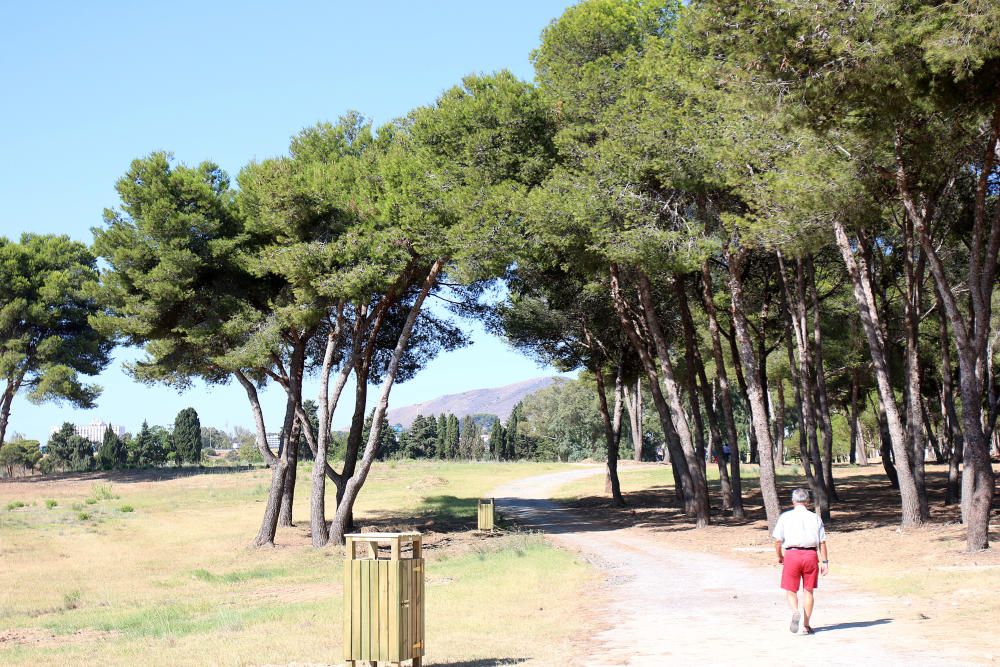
x,y
288,486
633,403
612,430
352,486
696,377
683,474
726,397
779,423
755,394
822,396
695,461
797,311
5,402
911,325
861,283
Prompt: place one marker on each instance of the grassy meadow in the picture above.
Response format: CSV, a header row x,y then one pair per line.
x,y
139,568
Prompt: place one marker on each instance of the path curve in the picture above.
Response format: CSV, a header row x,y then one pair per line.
x,y
670,606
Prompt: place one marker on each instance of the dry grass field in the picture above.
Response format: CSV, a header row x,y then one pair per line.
x,y
154,568
924,573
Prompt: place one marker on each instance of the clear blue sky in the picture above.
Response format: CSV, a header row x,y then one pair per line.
x,y
87,87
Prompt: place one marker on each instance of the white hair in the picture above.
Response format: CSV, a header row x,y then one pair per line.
x,y
800,496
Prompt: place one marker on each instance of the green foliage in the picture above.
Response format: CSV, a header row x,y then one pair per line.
x,y
102,491
187,436
15,504
565,422
83,516
19,454
58,449
150,447
113,452
47,342
125,509
50,503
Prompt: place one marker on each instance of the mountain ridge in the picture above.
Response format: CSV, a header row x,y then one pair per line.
x,y
489,400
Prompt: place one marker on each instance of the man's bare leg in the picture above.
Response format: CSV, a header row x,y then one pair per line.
x,y
807,607
793,602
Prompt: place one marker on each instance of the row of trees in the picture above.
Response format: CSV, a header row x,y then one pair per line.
x,y
736,183
687,200
473,437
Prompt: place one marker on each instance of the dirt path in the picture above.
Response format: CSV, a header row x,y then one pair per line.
x,y
665,605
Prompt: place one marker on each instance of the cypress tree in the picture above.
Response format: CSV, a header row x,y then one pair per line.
x,y
187,436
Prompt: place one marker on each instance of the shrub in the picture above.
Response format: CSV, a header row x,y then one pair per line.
x,y
102,491
126,509
16,504
91,501
71,600
76,507
50,503
83,516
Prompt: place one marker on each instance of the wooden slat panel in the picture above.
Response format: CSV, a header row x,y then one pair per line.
x,y
420,608
365,606
347,610
383,608
356,610
406,648
375,627
394,611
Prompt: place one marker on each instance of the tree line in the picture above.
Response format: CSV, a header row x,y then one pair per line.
x,y
730,205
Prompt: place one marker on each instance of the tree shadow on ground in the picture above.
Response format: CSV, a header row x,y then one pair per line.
x,y
852,625
485,662
866,501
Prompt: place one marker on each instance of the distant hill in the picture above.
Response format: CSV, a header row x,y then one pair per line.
x,y
492,400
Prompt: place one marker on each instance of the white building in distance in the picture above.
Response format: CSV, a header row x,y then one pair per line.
x,y
94,431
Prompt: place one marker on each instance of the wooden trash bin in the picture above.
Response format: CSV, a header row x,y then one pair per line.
x,y
487,507
383,599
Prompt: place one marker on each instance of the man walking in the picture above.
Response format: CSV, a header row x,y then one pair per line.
x,y
798,536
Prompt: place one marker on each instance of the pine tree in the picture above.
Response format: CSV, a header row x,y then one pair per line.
x,y
58,448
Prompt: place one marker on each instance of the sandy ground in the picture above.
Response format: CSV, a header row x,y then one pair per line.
x,y
665,605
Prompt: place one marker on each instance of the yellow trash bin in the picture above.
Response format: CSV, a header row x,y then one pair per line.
x,y
487,507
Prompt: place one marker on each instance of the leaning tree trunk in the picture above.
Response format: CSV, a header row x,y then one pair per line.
x,y
696,377
857,270
755,394
725,394
695,461
353,485
682,473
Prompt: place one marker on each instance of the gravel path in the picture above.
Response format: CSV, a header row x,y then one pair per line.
x,y
669,606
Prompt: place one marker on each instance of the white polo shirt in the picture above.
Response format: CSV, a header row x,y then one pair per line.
x,y
798,527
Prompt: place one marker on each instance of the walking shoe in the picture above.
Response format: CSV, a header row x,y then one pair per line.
x,y
794,626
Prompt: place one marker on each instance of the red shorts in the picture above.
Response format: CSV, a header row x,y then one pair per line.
x,y
800,564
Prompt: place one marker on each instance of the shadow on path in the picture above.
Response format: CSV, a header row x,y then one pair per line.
x,y
856,624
